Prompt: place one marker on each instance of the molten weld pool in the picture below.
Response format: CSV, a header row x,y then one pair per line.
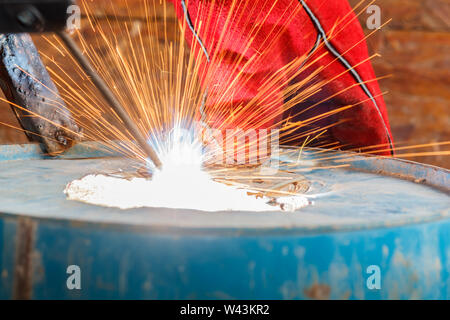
x,y
376,229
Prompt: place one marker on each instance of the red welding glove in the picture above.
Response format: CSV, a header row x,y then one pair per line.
x,y
243,43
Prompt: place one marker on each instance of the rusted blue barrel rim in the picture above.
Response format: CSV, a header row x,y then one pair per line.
x,y
434,177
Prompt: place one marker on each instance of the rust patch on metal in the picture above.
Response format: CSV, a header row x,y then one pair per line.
x,y
23,267
318,292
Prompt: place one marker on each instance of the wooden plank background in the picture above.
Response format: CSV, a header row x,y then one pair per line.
x,y
415,49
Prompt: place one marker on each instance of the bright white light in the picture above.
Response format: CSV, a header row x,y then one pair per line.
x,y
182,184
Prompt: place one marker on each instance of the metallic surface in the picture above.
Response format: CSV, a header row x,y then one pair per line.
x,y
368,216
27,84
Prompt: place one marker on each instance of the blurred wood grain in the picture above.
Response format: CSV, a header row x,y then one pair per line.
x,y
415,51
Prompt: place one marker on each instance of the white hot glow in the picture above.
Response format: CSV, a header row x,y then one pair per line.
x,y
182,184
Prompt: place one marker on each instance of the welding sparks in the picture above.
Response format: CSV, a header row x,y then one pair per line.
x,y
156,76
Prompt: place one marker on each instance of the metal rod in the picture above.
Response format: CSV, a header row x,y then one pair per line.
x,y
109,97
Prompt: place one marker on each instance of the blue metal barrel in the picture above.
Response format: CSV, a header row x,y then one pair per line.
x,y
382,232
